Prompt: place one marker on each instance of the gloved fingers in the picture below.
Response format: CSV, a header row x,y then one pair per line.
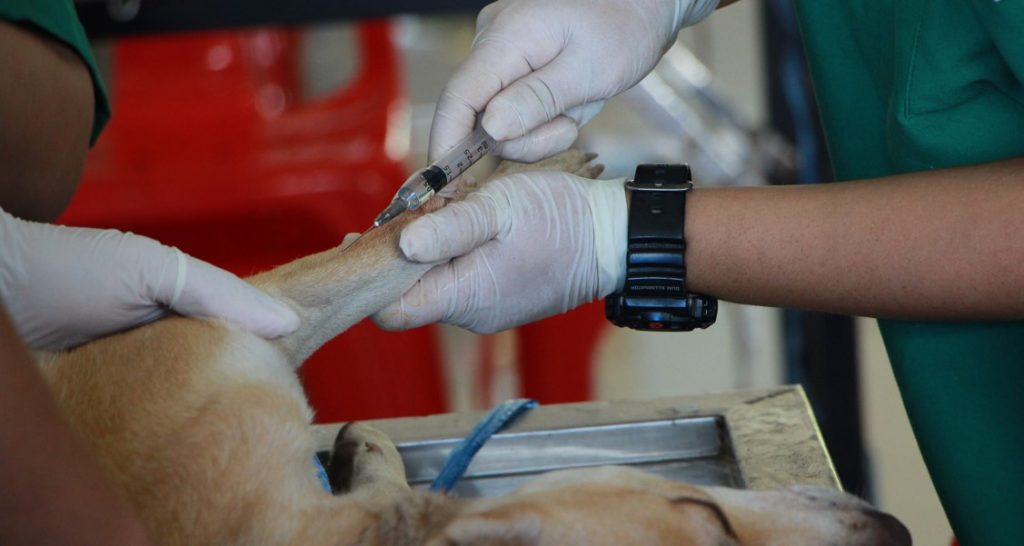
x,y
454,119
545,141
82,283
427,302
691,12
494,63
583,113
462,292
458,228
551,138
487,16
204,290
537,98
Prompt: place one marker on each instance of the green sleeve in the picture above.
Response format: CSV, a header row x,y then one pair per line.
x,y
1004,22
58,19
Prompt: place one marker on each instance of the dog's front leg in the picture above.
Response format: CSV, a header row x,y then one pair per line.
x,y
334,289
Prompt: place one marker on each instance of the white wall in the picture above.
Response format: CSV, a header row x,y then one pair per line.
x,y
901,479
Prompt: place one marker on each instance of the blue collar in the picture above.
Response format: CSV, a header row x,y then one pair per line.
x,y
458,460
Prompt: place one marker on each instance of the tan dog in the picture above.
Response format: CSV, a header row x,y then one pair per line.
x,y
207,429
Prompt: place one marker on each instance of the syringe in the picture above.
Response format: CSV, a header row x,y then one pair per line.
x,y
423,184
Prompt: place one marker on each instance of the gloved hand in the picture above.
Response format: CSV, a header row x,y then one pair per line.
x,y
543,68
529,246
64,286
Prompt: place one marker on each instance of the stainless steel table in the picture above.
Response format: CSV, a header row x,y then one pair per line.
x,y
756,439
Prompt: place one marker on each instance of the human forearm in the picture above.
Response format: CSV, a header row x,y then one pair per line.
x,y
932,245
53,491
46,108
939,245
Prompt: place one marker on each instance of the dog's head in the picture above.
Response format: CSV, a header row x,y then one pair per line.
x,y
614,505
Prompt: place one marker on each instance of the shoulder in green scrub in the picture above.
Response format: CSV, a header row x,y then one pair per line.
x,y
58,19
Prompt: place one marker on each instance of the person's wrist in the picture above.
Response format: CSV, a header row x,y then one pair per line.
x,y
609,216
696,230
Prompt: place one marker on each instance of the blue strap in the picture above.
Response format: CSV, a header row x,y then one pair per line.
x,y
458,460
321,474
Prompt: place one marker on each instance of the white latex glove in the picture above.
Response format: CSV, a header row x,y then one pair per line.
x,y
529,246
64,286
543,68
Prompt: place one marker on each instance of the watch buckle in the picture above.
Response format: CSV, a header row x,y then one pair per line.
x,y
659,186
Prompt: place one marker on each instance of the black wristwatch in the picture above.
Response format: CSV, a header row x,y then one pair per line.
x,y
654,296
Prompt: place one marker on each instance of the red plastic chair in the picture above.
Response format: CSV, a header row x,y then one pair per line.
x,y
209,150
556,356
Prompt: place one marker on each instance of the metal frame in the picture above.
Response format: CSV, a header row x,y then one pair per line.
x,y
771,433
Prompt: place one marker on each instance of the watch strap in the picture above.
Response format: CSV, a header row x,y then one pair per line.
x,y
655,248
655,296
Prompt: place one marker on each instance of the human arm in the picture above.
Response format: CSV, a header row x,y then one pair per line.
x,y
935,245
539,69
63,286
942,244
47,106
54,492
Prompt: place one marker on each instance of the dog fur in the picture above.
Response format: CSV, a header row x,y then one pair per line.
x,y
207,429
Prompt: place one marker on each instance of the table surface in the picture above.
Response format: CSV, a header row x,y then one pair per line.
x,y
771,433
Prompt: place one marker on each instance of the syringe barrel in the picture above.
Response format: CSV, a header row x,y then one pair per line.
x,y
435,177
420,187
414,196
425,183
464,154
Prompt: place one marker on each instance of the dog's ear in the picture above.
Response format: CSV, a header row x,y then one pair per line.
x,y
705,503
341,464
506,526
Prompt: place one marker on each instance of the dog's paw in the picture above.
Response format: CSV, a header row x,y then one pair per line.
x,y
589,169
363,457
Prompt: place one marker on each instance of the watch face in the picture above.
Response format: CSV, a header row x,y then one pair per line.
x,y
695,311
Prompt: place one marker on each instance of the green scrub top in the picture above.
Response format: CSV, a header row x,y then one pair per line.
x,y
58,19
911,85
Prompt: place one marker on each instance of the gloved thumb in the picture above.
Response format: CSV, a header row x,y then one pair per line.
x,y
458,228
554,136
195,288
